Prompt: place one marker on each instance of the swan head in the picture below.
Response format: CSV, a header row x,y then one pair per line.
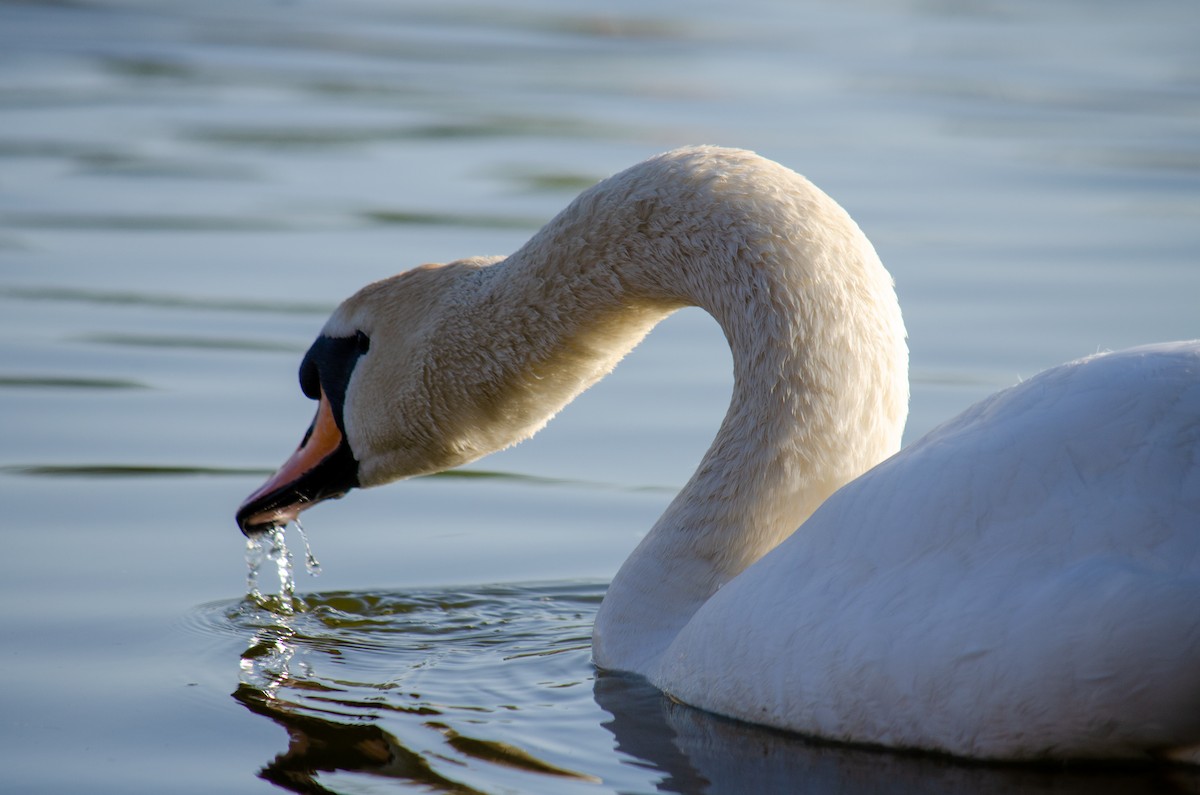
x,y
398,394
443,364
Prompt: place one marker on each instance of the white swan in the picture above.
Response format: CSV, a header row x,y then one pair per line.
x,y
1023,583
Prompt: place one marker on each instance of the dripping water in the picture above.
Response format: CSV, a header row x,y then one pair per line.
x,y
254,561
272,546
283,563
311,564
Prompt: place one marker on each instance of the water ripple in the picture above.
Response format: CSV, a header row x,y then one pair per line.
x,y
194,343
163,301
321,137
490,689
128,470
334,667
422,218
68,382
133,222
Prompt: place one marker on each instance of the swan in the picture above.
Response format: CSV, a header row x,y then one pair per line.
x,y
1021,584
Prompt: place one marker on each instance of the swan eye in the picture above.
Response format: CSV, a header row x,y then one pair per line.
x,y
362,342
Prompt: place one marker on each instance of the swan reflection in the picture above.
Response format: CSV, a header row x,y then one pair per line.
x,y
491,690
319,745
701,753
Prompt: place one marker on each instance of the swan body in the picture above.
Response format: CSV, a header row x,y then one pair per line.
x,y
1023,583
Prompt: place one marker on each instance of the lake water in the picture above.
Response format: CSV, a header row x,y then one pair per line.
x,y
187,189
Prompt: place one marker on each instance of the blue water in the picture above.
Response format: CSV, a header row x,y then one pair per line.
x,y
186,191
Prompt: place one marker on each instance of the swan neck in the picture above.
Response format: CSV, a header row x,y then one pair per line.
x,y
820,381
820,365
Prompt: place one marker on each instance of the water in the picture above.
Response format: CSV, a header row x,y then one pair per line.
x,y
271,545
489,689
442,681
187,189
311,564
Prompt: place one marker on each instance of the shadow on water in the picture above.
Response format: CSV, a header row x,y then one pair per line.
x,y
337,672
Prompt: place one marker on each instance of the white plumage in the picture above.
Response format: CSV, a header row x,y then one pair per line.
x,y
1023,582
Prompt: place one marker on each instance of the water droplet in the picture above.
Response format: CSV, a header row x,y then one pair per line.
x,y
283,564
311,564
255,555
272,545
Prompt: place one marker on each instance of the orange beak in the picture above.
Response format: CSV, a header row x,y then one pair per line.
x,y
316,471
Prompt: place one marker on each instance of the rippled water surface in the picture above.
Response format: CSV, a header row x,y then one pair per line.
x,y
186,191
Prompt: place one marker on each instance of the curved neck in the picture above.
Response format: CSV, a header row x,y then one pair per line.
x,y
820,365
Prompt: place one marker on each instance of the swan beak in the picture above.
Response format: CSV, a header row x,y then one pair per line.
x,y
322,468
